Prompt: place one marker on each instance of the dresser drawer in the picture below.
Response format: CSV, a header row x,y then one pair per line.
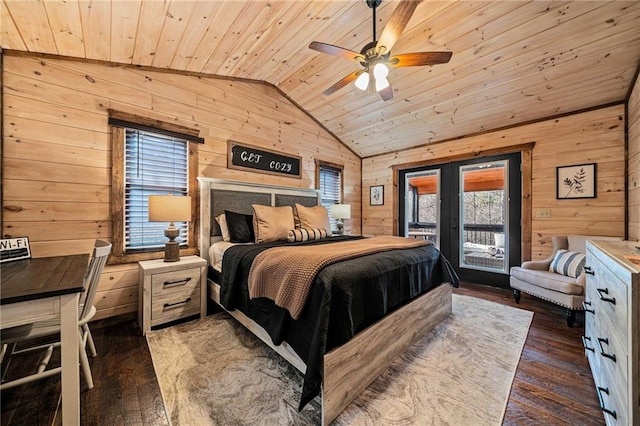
x,y
616,414
608,298
610,356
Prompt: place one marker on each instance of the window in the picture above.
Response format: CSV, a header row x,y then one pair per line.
x,y
329,182
154,165
149,158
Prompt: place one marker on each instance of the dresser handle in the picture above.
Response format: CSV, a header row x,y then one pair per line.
x,y
588,270
602,352
584,343
612,413
168,284
176,304
602,291
584,306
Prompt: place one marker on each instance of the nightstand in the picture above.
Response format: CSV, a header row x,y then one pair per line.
x,y
171,290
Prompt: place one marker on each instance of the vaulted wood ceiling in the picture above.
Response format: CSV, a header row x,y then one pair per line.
x,y
513,61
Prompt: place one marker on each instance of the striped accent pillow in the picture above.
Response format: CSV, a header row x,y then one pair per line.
x,y
305,234
569,263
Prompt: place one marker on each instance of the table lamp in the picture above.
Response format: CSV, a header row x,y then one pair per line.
x,y
170,208
340,212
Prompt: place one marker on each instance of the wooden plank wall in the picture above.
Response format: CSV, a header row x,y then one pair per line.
x,y
56,161
593,136
633,180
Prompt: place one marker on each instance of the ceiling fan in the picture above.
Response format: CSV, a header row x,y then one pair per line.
x,y
375,57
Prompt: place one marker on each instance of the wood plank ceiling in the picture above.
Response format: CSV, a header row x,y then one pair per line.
x,y
513,61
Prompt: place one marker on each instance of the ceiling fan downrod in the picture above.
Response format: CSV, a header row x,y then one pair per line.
x,y
373,4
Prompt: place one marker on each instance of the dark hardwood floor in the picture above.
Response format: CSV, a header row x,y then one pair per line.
x,y
553,384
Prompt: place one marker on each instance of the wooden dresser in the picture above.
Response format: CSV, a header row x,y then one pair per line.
x,y
612,327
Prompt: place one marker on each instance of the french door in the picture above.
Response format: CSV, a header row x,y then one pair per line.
x,y
471,210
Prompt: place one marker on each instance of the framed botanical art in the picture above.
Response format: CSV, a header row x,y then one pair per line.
x,y
376,195
576,181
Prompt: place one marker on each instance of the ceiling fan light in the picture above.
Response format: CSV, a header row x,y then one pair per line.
x,y
380,71
362,82
381,84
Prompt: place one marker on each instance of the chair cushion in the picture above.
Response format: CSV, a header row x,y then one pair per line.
x,y
569,263
548,280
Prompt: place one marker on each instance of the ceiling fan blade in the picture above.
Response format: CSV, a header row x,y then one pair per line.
x,y
419,58
340,84
392,31
386,93
340,52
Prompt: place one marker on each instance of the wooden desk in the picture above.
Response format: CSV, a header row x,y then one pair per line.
x,y
47,288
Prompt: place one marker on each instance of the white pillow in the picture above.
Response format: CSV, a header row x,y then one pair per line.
x,y
224,229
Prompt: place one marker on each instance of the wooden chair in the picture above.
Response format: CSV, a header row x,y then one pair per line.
x,y
86,311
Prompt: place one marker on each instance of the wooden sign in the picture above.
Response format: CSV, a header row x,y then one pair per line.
x,y
242,156
14,249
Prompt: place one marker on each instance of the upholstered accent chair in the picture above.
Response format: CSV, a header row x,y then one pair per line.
x,y
560,278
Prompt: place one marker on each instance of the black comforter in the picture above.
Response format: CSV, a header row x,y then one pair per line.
x,y
346,297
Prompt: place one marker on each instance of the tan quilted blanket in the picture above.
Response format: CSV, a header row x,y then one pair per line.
x,y
285,274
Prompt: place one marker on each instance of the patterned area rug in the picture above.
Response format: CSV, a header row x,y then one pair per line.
x,y
212,371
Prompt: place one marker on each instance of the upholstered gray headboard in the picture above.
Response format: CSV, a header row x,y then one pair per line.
x,y
235,201
218,195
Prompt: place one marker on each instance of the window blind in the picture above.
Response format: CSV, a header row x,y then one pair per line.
x,y
155,164
330,189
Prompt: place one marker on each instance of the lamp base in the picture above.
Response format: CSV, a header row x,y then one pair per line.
x,y
340,226
171,252
171,248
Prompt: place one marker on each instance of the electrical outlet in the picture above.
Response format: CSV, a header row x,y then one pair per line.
x,y
543,213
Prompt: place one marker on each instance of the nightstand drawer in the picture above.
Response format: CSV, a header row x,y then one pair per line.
x,y
175,282
169,306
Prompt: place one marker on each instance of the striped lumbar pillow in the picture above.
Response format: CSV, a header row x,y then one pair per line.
x,y
305,234
569,263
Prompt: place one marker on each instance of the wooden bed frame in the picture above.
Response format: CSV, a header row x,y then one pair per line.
x,y
350,368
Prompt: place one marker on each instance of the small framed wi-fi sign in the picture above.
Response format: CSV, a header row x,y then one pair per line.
x,y
14,249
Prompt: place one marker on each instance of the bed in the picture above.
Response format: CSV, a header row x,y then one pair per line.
x,y
341,360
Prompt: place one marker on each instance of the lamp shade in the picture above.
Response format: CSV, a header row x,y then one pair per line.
x,y
341,211
169,208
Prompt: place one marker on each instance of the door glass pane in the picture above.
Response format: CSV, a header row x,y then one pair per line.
x,y
483,216
423,205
